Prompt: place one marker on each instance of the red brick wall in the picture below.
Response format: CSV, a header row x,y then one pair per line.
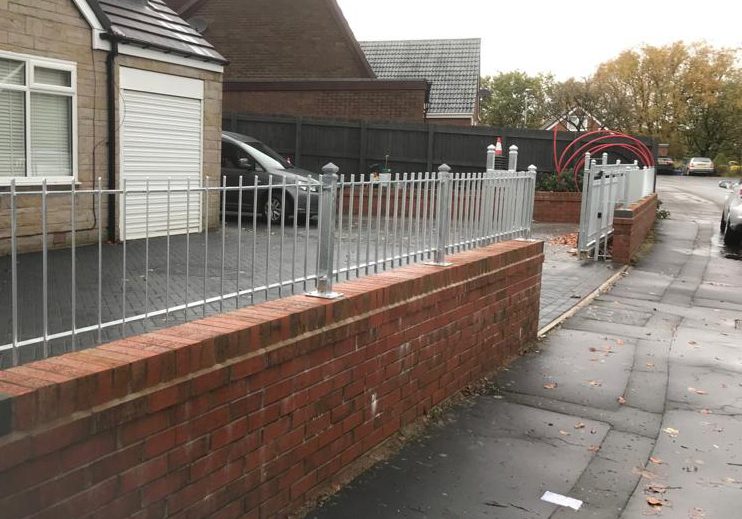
x,y
384,105
274,39
557,207
631,227
252,413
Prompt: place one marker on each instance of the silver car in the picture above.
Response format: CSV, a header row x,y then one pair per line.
x,y
731,215
700,166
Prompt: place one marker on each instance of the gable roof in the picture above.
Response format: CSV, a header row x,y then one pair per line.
x,y
151,23
451,66
188,8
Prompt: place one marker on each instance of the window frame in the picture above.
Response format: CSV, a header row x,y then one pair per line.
x,y
31,86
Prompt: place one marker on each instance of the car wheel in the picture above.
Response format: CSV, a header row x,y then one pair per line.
x,y
275,210
731,237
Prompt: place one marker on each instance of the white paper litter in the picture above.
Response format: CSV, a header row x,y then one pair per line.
x,y
558,499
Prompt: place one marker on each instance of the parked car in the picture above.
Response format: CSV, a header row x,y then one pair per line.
x,y
731,215
700,166
247,157
665,165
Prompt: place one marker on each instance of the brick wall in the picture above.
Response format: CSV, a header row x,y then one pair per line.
x,y
254,412
552,207
371,105
631,227
274,39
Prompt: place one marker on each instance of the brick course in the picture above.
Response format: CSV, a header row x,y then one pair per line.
x,y
550,207
631,226
262,408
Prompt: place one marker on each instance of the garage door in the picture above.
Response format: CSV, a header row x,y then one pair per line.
x,y
161,122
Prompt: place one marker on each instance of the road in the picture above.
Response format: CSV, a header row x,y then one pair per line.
x,y
633,406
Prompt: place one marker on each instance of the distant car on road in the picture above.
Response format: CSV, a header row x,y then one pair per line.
x,y
665,165
731,215
700,166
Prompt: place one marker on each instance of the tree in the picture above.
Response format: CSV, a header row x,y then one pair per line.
x,y
515,100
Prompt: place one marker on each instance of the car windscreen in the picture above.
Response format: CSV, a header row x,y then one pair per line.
x,y
263,153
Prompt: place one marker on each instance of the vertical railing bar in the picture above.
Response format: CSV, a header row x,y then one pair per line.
x,y
389,185
427,214
73,254
350,224
254,238
269,227
14,269
295,229
456,213
167,251
306,238
418,213
146,248
361,199
224,242
188,248
340,208
283,236
206,245
240,189
402,218
45,268
123,255
369,223
99,213
468,210
380,192
411,216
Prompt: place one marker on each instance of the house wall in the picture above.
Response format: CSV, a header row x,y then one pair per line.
x,y
370,105
255,412
57,30
281,39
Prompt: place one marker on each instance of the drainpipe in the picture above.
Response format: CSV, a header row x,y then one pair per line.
x,y
111,108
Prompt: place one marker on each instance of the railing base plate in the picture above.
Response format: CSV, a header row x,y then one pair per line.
x,y
436,264
324,295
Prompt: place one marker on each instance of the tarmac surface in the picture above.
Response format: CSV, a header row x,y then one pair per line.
x,y
633,405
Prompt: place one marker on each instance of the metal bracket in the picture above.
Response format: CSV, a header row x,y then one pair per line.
x,y
323,295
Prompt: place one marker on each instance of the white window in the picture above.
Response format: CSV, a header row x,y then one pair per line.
x,y
37,118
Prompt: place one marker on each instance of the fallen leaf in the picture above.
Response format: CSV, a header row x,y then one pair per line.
x,y
594,448
698,391
643,473
621,400
692,343
650,364
670,431
550,385
656,488
656,461
653,501
619,342
579,425
595,383
706,411
564,433
593,349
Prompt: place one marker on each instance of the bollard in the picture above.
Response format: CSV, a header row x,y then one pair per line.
x,y
328,194
513,158
443,215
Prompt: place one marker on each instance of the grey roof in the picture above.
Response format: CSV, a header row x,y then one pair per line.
x,y
151,23
452,66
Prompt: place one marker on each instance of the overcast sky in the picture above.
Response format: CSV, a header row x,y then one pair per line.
x,y
549,36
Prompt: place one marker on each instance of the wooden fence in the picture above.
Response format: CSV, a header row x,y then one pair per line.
x,y
355,146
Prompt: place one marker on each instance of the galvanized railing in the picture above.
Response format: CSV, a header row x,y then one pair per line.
x,y
606,187
208,250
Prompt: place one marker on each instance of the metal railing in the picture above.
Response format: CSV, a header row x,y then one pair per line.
x,y
606,187
207,249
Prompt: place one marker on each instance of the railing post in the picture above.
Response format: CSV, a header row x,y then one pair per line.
x,y
513,158
530,200
585,206
491,150
443,215
328,195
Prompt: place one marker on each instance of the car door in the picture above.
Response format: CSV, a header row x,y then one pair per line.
x,y
236,163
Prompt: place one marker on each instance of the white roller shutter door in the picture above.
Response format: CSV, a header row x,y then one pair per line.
x,y
161,136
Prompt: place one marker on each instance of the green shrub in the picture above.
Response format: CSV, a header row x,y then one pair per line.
x,y
558,183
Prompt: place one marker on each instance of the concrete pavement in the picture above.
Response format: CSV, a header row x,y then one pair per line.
x,y
632,406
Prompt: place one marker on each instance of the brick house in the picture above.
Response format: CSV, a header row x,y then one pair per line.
x,y
96,89
301,59
452,66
